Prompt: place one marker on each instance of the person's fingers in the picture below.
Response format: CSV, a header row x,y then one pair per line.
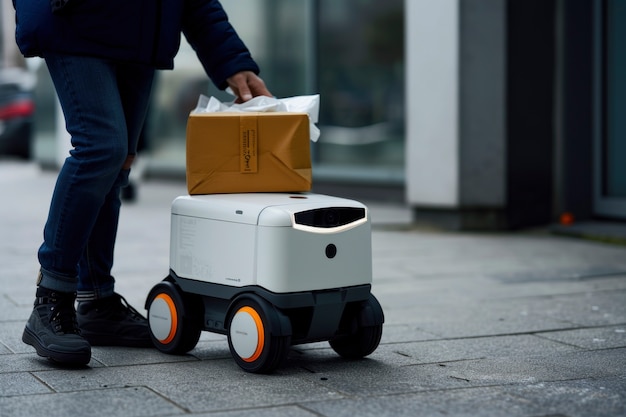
x,y
239,84
244,91
257,87
246,85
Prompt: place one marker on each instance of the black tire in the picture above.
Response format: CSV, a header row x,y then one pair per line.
x,y
174,319
358,345
250,340
368,322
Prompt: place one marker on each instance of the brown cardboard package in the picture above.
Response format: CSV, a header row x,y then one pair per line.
x,y
244,152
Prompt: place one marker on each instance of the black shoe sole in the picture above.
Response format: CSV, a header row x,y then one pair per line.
x,y
62,358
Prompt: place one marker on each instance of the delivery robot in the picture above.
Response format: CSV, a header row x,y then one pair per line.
x,y
268,270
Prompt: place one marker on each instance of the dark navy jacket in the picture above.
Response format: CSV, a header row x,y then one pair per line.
x,y
140,31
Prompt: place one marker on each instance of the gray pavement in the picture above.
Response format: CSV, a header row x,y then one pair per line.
x,y
501,324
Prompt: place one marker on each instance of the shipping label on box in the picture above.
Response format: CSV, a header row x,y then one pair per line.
x,y
248,151
243,152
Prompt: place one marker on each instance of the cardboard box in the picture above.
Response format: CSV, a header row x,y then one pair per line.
x,y
248,152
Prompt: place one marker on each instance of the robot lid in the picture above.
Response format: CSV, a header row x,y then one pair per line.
x,y
299,210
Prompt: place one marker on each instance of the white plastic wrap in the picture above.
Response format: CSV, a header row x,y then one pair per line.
x,y
297,104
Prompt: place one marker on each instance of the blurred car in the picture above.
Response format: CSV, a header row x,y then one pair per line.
x,y
17,108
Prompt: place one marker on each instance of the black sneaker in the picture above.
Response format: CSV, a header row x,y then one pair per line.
x,y
53,331
111,321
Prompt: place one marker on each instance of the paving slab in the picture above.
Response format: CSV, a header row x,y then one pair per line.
x,y
21,384
581,398
591,338
283,411
127,402
222,385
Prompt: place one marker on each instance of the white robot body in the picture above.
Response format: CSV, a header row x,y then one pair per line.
x,y
281,242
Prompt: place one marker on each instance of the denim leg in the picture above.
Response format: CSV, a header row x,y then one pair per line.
x,y
94,272
102,120
95,280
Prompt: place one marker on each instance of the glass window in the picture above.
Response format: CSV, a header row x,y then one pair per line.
x,y
360,77
610,104
615,99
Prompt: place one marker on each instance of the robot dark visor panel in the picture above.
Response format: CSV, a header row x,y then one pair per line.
x,y
330,216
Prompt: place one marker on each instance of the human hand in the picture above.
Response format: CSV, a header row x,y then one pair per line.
x,y
246,84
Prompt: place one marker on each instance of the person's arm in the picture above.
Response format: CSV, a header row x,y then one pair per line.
x,y
224,56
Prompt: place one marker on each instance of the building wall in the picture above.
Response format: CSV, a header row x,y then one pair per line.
x,y
482,95
456,134
480,112
432,103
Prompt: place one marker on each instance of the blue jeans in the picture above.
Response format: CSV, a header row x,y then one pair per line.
x,y
104,103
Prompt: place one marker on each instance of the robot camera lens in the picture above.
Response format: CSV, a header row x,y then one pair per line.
x,y
331,218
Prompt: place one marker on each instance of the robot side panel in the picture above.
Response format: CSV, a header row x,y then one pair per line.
x,y
212,251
